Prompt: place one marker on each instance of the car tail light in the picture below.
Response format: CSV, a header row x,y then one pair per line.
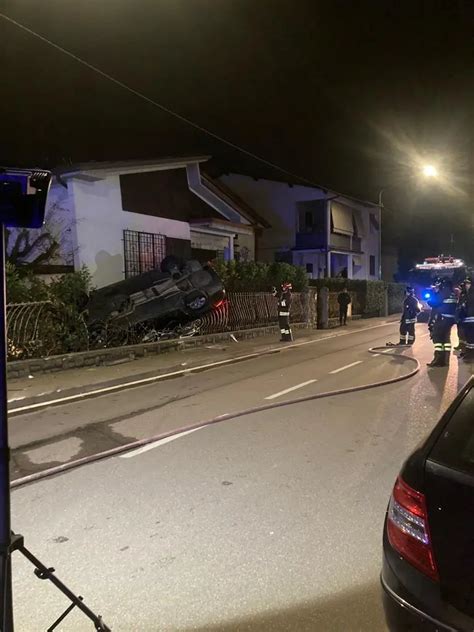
x,y
407,528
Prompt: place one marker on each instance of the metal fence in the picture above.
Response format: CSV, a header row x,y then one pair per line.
x,y
245,310
43,329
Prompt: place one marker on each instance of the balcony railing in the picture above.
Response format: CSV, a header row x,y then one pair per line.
x,y
317,240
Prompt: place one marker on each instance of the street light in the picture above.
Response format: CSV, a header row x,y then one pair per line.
x,y
430,171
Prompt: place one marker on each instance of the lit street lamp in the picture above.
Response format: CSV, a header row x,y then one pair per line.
x,y
430,171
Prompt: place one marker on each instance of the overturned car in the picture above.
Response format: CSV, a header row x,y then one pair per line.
x,y
179,291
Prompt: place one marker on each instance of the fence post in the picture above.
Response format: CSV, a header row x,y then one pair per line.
x,y
322,307
311,296
385,307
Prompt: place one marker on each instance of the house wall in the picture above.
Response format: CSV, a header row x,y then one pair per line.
x,y
99,226
282,206
246,246
370,245
277,203
316,259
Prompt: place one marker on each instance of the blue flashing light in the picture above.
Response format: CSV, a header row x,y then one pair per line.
x,y
427,295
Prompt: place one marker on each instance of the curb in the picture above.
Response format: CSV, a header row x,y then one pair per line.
x,y
80,393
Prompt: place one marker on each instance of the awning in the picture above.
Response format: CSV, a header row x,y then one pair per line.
x,y
359,223
341,219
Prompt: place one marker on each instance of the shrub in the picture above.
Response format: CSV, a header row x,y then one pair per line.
x,y
368,296
68,294
374,298
255,276
396,295
24,286
72,290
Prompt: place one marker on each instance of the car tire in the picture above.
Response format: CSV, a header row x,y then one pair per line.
x,y
171,265
196,302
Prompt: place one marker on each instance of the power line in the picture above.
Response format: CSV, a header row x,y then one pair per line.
x,y
163,108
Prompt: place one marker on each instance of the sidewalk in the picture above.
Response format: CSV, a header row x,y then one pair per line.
x,y
86,381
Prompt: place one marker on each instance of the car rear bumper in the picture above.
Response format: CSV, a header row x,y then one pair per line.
x,y
401,616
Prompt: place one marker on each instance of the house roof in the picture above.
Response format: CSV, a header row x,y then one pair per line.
x,y
235,201
215,168
100,169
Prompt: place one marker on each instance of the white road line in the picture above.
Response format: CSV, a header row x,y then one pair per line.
x,y
289,390
156,444
158,378
343,368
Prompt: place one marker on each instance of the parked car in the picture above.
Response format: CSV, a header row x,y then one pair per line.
x,y
428,541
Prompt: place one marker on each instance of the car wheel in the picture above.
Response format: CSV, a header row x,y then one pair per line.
x,y
196,301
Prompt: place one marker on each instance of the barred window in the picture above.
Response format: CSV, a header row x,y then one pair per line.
x,y
142,251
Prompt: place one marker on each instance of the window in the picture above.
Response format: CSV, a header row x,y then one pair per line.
x,y
372,265
374,224
308,220
309,268
455,447
142,251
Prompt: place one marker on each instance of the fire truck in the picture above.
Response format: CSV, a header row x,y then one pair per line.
x,y
424,276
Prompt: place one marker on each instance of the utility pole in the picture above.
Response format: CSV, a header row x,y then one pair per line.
x,y
6,607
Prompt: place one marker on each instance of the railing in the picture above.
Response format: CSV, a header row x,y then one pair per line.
x,y
308,241
245,310
42,329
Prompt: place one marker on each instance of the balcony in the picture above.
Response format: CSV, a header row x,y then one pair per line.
x,y
310,241
317,241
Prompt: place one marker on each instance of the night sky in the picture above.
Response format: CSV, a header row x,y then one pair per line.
x,y
353,95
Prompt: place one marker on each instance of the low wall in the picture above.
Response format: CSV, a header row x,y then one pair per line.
x,y
115,355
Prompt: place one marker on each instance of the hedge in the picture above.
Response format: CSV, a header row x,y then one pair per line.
x,y
369,295
259,277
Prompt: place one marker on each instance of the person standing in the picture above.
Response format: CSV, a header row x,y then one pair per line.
x,y
411,309
344,300
284,306
443,316
460,315
468,321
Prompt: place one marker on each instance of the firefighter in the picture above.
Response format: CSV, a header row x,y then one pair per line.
x,y
460,315
411,309
443,316
284,306
468,320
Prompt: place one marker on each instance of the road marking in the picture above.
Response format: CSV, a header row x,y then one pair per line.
x,y
157,444
158,378
291,389
343,368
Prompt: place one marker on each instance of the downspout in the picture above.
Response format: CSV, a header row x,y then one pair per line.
x,y
328,238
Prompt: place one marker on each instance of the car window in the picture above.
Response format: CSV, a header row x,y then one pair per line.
x,y
455,447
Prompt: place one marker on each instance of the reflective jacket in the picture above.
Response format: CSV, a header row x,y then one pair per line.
x,y
467,312
284,303
444,304
411,309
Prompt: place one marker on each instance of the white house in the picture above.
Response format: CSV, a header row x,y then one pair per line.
x,y
329,233
124,218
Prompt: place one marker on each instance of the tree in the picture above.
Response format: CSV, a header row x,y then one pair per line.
x,y
27,249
